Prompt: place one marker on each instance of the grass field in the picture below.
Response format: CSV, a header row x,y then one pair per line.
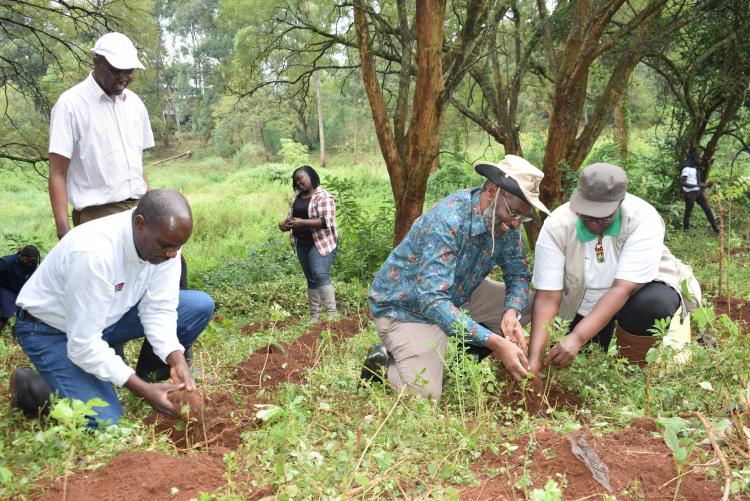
x,y
321,436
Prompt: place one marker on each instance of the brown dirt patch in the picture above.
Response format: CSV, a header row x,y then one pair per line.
x,y
535,398
144,476
151,476
226,415
737,309
639,467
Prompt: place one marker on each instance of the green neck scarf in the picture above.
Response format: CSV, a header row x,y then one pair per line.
x,y
584,235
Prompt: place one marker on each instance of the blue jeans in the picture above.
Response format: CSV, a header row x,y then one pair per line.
x,y
316,267
47,348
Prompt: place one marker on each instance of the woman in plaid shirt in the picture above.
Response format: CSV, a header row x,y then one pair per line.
x,y
312,221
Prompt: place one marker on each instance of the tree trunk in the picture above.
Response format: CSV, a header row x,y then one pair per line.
x,y
321,132
409,171
621,127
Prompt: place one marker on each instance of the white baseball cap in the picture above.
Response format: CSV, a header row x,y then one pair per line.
x,y
118,50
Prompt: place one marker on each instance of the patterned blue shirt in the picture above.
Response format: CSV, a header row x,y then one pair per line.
x,y
445,256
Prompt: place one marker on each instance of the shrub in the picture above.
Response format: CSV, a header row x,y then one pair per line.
x,y
293,154
250,154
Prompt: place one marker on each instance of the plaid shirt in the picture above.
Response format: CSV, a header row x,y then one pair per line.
x,y
323,206
440,263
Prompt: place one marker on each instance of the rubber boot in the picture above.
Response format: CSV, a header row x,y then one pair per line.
x,y
328,298
313,299
29,391
633,348
375,365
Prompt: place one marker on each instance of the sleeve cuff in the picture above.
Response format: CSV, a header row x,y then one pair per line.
x,y
164,350
120,375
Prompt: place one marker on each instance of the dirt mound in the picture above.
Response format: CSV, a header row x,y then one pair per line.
x,y
188,404
639,465
536,398
144,476
226,415
276,364
224,419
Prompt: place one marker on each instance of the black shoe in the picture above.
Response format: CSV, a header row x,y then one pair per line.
x,y
29,391
477,353
376,364
149,367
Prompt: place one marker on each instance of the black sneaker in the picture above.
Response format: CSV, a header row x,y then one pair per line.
x,y
376,364
29,391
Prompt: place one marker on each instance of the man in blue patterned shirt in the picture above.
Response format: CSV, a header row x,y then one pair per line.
x,y
442,265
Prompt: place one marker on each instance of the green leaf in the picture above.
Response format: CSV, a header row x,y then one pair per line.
x,y
361,479
6,477
685,290
704,316
269,412
727,323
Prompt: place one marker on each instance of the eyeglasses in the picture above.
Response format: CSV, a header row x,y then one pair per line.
x,y
513,215
598,220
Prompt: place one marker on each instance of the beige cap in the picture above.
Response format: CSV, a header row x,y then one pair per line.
x,y
515,175
601,188
118,50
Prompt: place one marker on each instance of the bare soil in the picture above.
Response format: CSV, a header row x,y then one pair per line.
x,y
639,462
737,309
152,475
640,467
144,476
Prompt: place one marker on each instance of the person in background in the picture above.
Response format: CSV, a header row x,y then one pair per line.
x,y
106,282
441,266
311,221
15,270
692,190
98,131
600,262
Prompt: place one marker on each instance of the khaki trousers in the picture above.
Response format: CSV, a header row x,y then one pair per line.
x,y
96,211
418,349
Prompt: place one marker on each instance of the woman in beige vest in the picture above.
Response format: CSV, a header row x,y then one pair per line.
x,y
601,263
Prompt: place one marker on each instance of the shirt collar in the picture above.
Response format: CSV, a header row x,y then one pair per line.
x,y
584,235
97,92
477,221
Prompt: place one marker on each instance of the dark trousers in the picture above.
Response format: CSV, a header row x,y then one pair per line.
x,y
690,201
654,301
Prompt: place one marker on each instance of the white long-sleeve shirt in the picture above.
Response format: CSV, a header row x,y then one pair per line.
x,y
90,280
104,140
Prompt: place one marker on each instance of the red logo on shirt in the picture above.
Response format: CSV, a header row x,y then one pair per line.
x,y
119,286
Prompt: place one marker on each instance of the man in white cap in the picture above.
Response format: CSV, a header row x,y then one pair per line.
x,y
442,266
98,131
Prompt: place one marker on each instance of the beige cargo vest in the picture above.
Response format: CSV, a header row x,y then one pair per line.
x,y
561,226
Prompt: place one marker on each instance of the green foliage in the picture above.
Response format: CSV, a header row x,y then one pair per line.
x,y
551,492
249,154
293,154
454,174
364,235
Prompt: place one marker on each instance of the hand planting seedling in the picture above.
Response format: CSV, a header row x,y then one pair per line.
x,y
187,404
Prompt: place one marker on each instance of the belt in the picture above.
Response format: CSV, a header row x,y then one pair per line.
x,y
24,315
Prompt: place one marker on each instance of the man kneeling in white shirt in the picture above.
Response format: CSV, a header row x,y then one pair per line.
x,y
109,281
